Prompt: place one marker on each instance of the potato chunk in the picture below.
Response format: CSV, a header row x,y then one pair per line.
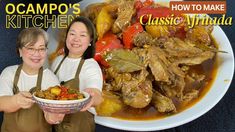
x,y
110,105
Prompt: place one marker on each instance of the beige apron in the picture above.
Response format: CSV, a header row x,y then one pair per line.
x,y
79,121
26,120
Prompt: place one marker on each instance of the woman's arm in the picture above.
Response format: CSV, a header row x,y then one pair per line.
x,y
15,102
93,83
96,98
7,104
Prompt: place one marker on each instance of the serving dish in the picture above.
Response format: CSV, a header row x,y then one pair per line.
x,y
217,90
62,106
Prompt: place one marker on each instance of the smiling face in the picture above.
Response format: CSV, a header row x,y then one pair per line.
x,y
78,39
33,55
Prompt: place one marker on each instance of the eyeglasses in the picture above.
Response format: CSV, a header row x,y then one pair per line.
x,y
33,50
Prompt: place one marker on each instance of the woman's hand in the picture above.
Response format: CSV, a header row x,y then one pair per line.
x,y
96,98
23,100
53,118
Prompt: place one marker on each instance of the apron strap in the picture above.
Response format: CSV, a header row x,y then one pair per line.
x,y
57,69
73,83
78,71
17,76
39,79
16,79
39,82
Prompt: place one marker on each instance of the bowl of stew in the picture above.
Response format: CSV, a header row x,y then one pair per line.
x,y
173,88
61,100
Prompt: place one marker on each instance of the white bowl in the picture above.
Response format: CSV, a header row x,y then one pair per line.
x,y
62,106
213,96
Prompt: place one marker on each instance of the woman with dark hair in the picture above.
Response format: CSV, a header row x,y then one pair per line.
x,y
77,69
18,82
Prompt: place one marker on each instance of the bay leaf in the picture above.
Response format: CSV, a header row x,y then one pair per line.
x,y
123,60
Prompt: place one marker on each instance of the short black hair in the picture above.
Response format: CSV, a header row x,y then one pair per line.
x,y
90,51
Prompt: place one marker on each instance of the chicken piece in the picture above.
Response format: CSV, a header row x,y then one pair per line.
x,y
159,64
190,95
185,52
163,103
209,28
178,48
137,95
199,34
116,79
142,53
169,76
168,90
137,92
108,87
40,94
125,12
198,77
197,59
194,81
49,95
142,39
175,88
176,77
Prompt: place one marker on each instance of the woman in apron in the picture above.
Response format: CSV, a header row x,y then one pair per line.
x,y
78,70
18,82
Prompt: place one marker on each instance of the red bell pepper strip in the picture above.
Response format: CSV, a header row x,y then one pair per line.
x,y
107,43
129,33
139,4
